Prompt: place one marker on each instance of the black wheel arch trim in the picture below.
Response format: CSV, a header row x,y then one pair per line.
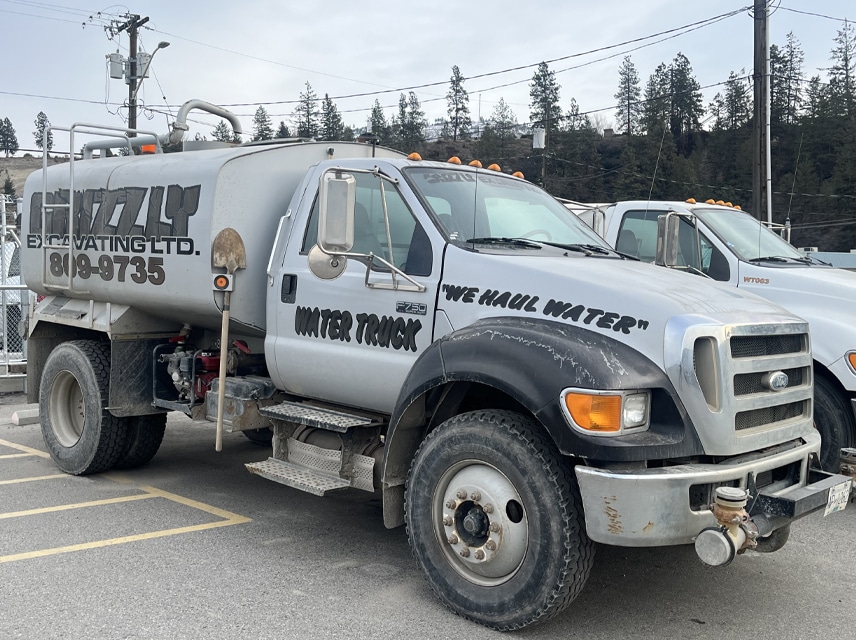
x,y
532,361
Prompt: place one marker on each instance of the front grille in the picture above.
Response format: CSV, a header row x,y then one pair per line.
x,y
774,345
769,415
756,356
746,383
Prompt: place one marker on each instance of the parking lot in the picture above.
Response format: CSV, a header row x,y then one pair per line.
x,y
193,546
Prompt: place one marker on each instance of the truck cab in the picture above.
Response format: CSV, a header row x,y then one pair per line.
x,y
728,245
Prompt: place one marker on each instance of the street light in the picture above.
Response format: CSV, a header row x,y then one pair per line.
x,y
161,45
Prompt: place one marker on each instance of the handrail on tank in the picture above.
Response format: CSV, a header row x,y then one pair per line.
x,y
81,128
123,140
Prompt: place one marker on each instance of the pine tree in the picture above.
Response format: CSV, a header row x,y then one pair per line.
x,y
628,114
842,73
308,114
378,123
282,131
503,121
458,108
658,100
574,121
223,132
332,126
545,111
8,139
262,125
415,123
737,102
43,128
687,108
498,133
793,69
9,186
408,127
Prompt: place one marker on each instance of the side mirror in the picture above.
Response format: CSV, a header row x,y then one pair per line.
x,y
336,199
668,228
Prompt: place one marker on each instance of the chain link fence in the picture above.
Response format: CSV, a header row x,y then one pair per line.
x,y
14,298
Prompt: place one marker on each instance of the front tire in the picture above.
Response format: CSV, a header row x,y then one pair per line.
x,y
833,418
495,520
79,432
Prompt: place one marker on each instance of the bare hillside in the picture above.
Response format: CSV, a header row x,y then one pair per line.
x,y
20,168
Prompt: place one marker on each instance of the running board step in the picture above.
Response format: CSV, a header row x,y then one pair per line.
x,y
309,416
297,477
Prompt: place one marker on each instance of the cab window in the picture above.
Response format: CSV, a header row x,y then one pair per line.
x,y
411,249
637,236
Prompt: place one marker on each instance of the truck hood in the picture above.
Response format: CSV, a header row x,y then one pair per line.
x,y
629,301
824,296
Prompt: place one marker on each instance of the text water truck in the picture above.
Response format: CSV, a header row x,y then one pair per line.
x,y
731,246
443,335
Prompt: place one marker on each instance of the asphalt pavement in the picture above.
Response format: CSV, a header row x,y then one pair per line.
x,y
193,546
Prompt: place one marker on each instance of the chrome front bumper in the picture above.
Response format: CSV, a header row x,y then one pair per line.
x,y
651,507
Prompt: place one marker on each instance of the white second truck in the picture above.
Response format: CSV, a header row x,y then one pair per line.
x,y
730,246
443,335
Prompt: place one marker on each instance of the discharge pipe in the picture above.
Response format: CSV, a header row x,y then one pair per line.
x,y
717,546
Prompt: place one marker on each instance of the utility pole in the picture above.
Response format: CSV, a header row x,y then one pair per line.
x,y
132,25
761,79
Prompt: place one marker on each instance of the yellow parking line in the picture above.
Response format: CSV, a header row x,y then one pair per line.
x,y
228,518
34,478
25,449
15,455
79,505
114,541
214,511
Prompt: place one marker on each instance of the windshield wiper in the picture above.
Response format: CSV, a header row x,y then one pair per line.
x,y
588,249
780,259
517,242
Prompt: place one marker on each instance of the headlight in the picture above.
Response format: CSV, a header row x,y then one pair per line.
x,y
606,412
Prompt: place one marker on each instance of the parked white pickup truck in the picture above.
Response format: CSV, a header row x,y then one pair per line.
x,y
727,244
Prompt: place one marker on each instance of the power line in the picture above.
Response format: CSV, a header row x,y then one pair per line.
x,y
811,13
676,31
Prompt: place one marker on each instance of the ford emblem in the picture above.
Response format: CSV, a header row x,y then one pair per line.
x,y
775,380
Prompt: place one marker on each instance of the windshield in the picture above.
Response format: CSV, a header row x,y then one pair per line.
x,y
745,236
480,206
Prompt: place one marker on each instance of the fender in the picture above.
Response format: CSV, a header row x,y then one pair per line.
x,y
532,361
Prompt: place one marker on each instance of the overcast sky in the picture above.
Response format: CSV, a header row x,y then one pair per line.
x,y
252,52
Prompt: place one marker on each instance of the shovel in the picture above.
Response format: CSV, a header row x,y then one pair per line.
x,y
227,251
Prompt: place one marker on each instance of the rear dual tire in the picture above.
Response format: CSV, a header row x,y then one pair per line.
x,y
81,435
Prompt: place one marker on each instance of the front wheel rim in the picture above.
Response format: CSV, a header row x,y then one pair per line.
x,y
67,409
480,522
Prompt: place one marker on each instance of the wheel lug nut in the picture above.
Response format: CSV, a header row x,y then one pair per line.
x,y
450,504
475,496
465,553
462,495
447,521
494,527
490,545
479,554
488,508
453,539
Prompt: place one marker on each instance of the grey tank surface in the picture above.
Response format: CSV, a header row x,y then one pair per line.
x,y
143,226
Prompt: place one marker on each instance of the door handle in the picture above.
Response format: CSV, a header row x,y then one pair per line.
x,y
288,291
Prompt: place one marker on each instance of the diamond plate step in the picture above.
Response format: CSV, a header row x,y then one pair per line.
x,y
314,416
297,477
